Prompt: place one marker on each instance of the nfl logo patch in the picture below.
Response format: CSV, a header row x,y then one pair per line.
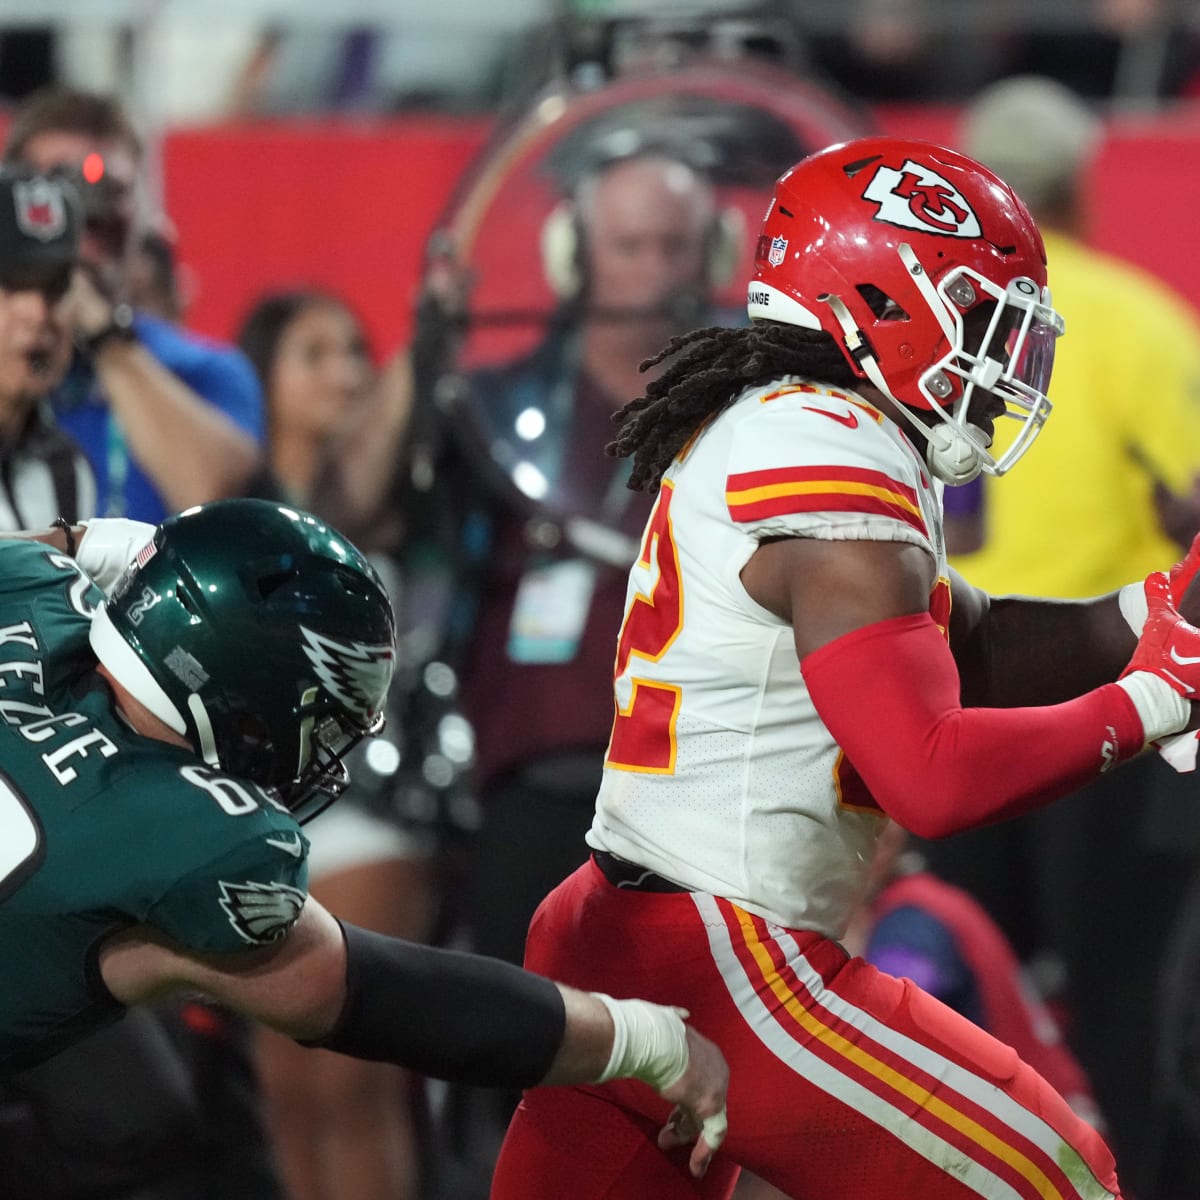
x,y
40,210
777,251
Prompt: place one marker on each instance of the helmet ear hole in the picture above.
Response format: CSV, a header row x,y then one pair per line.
x,y
185,600
352,582
267,585
881,304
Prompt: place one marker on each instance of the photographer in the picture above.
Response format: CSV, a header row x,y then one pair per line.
x,y
43,474
62,1132
140,388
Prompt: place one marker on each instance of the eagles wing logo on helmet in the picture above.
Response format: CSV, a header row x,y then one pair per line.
x,y
352,672
261,912
917,197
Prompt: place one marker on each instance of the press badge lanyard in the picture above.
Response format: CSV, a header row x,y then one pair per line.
x,y
116,454
553,599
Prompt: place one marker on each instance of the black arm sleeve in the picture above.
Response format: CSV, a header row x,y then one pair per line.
x,y
460,1017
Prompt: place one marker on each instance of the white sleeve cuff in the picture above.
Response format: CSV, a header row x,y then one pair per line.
x,y
1161,708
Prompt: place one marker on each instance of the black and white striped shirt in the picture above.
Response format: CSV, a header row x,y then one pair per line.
x,y
43,476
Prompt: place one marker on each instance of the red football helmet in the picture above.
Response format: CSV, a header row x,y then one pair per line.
x,y
930,274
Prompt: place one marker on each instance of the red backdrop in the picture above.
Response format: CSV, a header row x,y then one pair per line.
x,y
348,206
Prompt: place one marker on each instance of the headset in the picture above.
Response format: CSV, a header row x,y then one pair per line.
x,y
563,240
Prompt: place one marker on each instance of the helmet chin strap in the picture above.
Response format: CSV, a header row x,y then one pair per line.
x,y
952,454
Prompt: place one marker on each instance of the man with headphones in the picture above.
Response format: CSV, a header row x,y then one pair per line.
x,y
632,255
636,250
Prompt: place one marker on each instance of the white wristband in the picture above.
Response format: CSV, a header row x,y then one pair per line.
x,y
649,1042
1161,708
109,545
1132,599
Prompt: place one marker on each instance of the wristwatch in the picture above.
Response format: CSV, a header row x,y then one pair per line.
x,y
119,329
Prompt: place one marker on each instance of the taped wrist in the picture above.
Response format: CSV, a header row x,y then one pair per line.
x,y
649,1042
453,1016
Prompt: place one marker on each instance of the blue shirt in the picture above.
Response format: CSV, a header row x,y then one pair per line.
x,y
218,373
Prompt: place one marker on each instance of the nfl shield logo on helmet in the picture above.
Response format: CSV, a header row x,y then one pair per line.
x,y
777,251
41,213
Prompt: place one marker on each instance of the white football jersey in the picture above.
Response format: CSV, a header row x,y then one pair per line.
x,y
719,773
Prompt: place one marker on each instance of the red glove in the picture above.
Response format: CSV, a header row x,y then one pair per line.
x,y
1169,647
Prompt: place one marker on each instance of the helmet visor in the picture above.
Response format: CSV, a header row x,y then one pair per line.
x,y
1004,358
1026,340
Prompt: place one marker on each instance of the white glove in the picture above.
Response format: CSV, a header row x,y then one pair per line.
x,y
108,546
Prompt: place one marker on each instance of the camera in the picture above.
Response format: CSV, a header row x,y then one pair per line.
x,y
106,201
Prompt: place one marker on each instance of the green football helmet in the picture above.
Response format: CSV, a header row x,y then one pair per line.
x,y
262,636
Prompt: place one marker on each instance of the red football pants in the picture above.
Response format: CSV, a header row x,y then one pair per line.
x,y
847,1084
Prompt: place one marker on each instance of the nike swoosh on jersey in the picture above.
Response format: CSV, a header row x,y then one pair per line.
x,y
294,848
1182,660
847,419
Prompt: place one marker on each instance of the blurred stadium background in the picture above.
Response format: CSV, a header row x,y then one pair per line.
x,y
298,139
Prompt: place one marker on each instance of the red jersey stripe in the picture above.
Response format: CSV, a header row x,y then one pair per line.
x,y
753,495
873,503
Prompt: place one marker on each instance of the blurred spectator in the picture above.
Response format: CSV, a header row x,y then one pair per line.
x,y
141,390
631,256
44,475
341,1126
1121,49
913,51
917,51
1109,494
310,354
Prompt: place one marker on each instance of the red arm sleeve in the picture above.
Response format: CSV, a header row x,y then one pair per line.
x,y
889,695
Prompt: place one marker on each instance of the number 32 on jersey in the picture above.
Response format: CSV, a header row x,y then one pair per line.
x,y
643,735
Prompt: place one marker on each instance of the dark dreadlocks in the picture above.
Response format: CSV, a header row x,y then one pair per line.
x,y
714,365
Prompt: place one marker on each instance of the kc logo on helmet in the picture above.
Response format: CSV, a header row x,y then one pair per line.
x,y
917,197
41,212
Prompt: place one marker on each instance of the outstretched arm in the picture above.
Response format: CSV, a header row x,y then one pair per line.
x,y
888,688
450,1015
158,413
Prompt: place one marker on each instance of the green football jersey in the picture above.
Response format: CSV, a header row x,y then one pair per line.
x,y
102,829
